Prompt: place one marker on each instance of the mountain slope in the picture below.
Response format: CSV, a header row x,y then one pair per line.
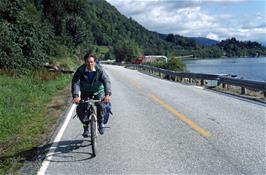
x,y
205,41
97,22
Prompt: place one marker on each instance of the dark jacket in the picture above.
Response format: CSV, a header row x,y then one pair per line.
x,y
100,82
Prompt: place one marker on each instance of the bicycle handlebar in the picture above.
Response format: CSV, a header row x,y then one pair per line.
x,y
89,101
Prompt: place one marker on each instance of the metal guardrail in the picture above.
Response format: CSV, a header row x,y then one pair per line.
x,y
254,85
175,73
221,79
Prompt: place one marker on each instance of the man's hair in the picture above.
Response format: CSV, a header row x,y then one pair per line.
x,y
88,55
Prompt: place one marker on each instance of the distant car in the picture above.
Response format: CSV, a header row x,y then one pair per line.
x,y
136,62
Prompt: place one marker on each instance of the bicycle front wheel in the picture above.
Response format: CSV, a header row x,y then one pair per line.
x,y
93,127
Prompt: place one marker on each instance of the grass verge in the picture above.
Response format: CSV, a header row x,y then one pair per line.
x,y
24,105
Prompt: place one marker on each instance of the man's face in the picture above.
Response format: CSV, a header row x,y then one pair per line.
x,y
90,63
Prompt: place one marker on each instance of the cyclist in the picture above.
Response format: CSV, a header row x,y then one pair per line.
x,y
92,82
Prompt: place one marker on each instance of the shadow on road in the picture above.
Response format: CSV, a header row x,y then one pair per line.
x,y
63,151
70,151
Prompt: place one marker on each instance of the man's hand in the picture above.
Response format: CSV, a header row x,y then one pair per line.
x,y
76,100
107,99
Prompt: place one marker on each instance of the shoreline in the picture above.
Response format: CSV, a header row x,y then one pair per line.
x,y
220,58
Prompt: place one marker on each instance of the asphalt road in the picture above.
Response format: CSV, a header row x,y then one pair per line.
x,y
162,127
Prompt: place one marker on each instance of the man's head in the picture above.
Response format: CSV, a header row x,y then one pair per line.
x,y
90,61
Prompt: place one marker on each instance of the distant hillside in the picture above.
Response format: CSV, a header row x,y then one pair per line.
x,y
205,41
199,40
163,36
234,48
263,43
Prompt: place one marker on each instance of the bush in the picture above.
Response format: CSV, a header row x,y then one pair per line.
x,y
174,64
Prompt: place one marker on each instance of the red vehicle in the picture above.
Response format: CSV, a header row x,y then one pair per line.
x,y
139,60
136,62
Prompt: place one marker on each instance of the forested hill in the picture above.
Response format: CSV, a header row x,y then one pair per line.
x,y
36,31
205,41
93,22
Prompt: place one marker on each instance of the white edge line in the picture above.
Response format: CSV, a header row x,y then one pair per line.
x,y
49,155
199,87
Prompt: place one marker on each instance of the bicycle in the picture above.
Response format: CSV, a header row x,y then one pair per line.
x,y
90,116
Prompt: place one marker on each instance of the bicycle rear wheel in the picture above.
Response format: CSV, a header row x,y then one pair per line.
x,y
93,127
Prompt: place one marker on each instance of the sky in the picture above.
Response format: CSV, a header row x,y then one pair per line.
x,y
214,19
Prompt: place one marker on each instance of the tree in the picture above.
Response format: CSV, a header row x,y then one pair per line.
x,y
24,42
109,55
126,51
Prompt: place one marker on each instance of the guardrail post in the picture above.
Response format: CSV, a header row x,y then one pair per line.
x,y
242,90
201,82
224,85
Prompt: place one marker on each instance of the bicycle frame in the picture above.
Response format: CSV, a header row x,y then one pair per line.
x,y
91,109
91,112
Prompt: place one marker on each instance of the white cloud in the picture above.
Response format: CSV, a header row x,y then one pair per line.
x,y
253,34
188,18
212,36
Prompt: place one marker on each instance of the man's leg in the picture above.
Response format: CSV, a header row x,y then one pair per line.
x,y
100,112
86,131
81,115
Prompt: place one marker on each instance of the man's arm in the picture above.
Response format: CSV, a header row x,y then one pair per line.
x,y
76,84
107,86
106,83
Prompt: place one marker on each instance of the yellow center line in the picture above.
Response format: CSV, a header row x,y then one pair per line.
x,y
197,128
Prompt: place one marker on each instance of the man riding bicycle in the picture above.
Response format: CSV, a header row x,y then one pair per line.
x,y
93,82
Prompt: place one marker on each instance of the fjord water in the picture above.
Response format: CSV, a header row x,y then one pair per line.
x,y
246,68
